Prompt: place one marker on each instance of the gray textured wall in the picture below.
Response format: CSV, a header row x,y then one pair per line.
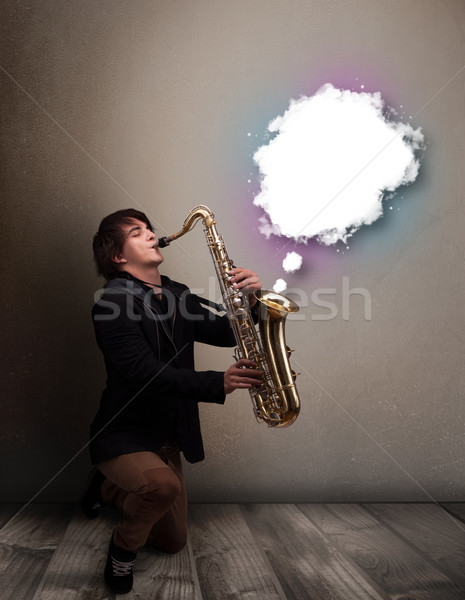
x,y
147,103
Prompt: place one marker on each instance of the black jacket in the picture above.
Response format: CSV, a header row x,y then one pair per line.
x,y
152,390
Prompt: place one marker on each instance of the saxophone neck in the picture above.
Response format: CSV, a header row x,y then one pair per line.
x,y
198,213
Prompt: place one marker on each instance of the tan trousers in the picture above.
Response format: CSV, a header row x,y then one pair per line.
x,y
148,490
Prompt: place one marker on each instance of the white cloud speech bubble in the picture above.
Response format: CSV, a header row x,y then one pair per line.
x,y
333,158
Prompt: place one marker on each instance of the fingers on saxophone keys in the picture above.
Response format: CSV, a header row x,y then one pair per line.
x,y
246,377
240,277
245,362
247,383
252,377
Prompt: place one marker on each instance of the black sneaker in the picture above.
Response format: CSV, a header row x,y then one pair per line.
x,y
91,499
119,569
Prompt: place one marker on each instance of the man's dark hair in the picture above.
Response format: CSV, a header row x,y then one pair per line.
x,y
109,240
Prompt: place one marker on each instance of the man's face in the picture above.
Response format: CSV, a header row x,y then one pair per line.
x,y
138,249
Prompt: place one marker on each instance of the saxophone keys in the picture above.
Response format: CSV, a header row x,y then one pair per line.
x,y
289,351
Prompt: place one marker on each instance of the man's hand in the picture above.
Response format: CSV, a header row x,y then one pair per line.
x,y
241,375
247,281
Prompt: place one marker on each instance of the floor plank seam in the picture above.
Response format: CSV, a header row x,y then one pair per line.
x,y
374,584
429,559
452,513
195,575
273,576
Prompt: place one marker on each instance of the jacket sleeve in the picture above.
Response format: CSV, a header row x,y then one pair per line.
x,y
129,356
214,329
210,328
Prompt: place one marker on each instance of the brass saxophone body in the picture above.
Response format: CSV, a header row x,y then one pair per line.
x,y
275,401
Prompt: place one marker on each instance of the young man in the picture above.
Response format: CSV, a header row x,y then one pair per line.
x,y
146,325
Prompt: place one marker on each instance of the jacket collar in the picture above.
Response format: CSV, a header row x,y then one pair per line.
x,y
130,284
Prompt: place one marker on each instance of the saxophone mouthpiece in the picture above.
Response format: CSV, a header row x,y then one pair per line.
x,y
163,242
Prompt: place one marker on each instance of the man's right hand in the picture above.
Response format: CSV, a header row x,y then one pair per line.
x,y
241,375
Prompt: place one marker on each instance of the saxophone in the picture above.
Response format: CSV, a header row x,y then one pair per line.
x,y
275,401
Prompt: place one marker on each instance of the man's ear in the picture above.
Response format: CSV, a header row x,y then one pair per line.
x,y
119,258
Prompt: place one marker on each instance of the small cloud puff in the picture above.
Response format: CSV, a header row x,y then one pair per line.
x,y
279,286
292,262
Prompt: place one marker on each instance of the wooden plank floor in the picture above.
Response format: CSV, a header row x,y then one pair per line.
x,y
246,551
